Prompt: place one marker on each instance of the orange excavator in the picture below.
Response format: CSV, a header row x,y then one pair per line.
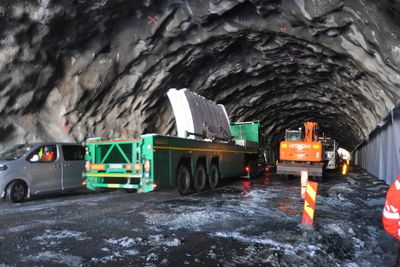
x,y
300,152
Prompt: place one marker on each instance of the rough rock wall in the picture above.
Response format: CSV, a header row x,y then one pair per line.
x,y
70,69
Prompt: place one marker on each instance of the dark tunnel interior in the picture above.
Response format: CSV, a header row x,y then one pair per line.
x,y
75,69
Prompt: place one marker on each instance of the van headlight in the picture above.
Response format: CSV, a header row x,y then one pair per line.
x,y
3,167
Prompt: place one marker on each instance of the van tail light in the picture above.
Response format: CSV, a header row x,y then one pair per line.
x,y
84,183
147,166
87,166
267,169
247,168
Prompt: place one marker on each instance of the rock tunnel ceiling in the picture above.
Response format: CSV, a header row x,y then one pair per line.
x,y
73,69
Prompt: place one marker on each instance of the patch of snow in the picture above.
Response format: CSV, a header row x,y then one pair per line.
x,y
212,254
334,228
104,259
261,196
122,242
357,242
257,240
162,241
152,257
54,237
193,221
22,228
131,252
56,257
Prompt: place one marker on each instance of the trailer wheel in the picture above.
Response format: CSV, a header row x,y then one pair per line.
x,y
200,178
213,178
183,180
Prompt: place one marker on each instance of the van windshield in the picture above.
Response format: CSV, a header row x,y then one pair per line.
x,y
15,152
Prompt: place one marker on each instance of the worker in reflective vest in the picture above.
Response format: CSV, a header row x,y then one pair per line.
x,y
391,216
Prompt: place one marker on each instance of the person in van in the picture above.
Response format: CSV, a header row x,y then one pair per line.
x,y
48,154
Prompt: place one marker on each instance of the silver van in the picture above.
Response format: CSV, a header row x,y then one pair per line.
x,y
31,169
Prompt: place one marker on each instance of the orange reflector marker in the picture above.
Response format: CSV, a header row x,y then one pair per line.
x,y
315,146
138,167
309,203
98,167
128,167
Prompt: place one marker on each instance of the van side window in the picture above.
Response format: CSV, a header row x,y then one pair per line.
x,y
45,153
72,152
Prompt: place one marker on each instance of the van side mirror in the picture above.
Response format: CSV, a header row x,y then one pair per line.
x,y
35,158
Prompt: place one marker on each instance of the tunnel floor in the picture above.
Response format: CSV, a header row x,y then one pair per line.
x,y
242,223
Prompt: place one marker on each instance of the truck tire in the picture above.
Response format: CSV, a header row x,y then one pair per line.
x,y
200,178
16,191
214,177
183,180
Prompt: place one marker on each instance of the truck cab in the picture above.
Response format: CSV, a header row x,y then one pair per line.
x,y
331,155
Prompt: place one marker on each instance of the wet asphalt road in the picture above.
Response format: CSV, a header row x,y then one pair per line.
x,y
242,223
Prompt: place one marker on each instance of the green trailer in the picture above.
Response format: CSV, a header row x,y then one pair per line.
x,y
158,161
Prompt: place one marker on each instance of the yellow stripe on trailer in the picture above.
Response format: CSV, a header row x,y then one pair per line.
x,y
113,185
201,149
125,175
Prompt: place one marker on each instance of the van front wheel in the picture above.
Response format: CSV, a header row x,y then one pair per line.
x,y
16,191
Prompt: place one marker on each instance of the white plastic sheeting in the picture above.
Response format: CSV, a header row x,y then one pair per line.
x,y
195,114
380,154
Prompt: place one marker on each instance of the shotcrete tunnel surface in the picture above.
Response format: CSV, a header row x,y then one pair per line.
x,y
71,70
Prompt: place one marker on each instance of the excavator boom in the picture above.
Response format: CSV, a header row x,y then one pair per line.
x,y
310,131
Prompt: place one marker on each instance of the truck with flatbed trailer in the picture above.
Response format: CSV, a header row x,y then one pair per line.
x,y
207,149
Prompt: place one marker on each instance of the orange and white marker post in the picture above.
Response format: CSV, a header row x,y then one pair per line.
x,y
304,180
309,203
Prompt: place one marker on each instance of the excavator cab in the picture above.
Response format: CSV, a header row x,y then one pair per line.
x,y
293,135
